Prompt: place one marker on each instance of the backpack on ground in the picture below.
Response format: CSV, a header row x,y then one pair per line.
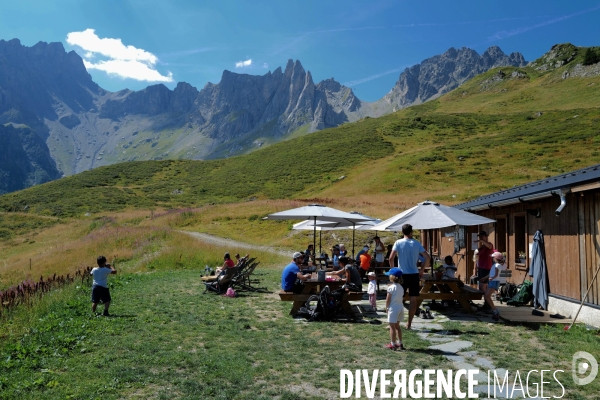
x,y
508,291
321,307
523,296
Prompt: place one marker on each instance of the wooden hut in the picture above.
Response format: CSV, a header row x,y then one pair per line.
x,y
567,210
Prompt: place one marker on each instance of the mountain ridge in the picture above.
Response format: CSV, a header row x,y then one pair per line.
x,y
86,126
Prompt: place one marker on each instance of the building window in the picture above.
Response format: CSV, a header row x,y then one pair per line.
x,y
520,240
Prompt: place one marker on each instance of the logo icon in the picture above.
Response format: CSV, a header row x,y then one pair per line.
x,y
584,362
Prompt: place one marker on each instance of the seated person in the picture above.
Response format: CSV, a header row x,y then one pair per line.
x,y
449,268
335,251
361,252
292,279
227,263
343,251
350,274
309,254
365,262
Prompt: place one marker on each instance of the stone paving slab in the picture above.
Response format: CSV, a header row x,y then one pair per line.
x,y
452,347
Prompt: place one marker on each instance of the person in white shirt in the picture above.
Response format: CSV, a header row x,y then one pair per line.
x,y
394,308
449,268
494,281
372,290
100,292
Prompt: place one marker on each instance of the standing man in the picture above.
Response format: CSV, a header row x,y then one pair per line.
x,y
100,290
484,251
292,279
408,251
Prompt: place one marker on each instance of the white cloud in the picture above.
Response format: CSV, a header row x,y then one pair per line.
x,y
265,65
121,60
243,64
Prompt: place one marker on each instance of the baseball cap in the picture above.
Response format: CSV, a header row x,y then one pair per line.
x,y
395,271
366,247
497,255
482,233
371,274
296,255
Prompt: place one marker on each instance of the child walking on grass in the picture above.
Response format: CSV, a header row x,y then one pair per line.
x,y
395,308
372,290
100,290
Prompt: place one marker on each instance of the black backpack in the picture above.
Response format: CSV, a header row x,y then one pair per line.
x,y
508,291
323,306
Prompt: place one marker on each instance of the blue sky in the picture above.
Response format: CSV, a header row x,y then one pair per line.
x,y
363,44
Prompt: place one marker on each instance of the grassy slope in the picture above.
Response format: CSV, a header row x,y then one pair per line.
x,y
167,340
278,171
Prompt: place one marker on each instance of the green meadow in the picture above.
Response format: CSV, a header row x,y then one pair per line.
x,y
166,339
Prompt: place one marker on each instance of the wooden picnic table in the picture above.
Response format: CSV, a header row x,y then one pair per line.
x,y
451,291
314,286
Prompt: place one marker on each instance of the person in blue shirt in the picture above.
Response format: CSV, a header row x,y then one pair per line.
x,y
336,257
408,251
291,277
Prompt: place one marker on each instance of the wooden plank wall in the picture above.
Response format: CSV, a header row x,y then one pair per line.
x,y
589,243
562,240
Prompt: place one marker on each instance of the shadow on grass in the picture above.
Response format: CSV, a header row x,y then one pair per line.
x,y
432,352
453,332
122,316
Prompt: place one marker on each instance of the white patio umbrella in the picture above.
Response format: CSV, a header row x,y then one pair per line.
x,y
431,215
331,226
318,212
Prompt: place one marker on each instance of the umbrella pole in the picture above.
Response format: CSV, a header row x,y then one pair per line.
x,y
353,230
315,235
430,234
320,242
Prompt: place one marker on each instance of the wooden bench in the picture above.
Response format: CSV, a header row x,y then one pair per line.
x,y
300,299
461,293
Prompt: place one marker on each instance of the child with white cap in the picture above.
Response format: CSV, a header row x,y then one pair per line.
x,y
372,289
494,281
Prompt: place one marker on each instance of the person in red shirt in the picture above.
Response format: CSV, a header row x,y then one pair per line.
x,y
228,263
485,260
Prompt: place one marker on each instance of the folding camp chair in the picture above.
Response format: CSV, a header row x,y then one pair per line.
x,y
242,279
223,281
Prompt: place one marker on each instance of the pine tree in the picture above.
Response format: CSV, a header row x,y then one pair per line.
x,y
590,56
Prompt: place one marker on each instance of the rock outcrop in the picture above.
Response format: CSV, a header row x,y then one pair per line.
x,y
24,159
440,74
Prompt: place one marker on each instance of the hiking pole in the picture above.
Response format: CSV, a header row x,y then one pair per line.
x,y
583,299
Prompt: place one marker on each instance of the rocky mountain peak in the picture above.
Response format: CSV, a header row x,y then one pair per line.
x,y
440,74
493,51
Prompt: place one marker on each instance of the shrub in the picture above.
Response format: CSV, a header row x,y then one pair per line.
x,y
591,56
